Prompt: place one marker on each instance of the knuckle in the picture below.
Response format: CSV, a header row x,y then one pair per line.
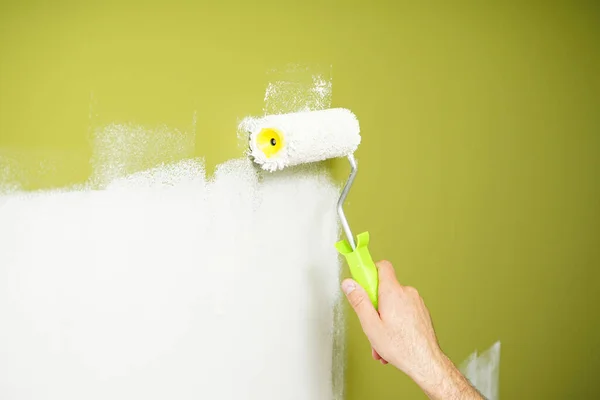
x,y
357,300
411,290
384,264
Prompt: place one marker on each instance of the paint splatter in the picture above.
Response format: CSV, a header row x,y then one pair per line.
x,y
10,178
123,149
483,371
297,88
20,169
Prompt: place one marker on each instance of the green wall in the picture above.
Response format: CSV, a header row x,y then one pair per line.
x,y
479,171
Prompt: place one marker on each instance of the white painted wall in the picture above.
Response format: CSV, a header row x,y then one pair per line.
x,y
164,285
160,284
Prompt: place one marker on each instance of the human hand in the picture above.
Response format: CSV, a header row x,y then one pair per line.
x,y
402,334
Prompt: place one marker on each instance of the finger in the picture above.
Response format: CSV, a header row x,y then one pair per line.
x,y
360,302
375,355
386,272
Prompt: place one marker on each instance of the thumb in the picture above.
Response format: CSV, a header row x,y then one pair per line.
x,y
359,300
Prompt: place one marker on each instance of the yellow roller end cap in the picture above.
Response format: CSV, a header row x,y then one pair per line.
x,y
269,141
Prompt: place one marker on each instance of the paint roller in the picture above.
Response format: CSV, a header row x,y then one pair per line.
x,y
285,140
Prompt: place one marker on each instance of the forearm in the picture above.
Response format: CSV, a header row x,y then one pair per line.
x,y
448,383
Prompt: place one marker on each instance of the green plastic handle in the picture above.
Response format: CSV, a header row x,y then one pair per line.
x,y
361,265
